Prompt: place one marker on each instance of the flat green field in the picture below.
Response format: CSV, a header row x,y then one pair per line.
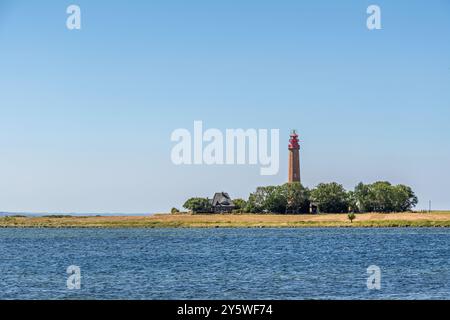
x,y
434,219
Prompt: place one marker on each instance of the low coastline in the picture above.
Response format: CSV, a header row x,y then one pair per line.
x,y
366,220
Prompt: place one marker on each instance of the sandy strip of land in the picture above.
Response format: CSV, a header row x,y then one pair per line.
x,y
434,219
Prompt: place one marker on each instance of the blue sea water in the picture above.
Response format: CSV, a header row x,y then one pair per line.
x,y
225,263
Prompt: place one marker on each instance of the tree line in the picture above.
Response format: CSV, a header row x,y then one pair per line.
x,y
332,197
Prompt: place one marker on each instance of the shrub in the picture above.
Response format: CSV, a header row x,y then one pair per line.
x,y
351,217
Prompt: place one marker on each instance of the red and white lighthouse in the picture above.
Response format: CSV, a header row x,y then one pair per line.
x,y
294,158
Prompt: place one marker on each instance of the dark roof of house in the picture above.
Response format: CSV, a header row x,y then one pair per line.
x,y
222,199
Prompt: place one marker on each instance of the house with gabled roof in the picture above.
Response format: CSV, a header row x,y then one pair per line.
x,y
222,203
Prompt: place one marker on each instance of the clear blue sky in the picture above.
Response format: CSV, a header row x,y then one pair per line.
x,y
86,116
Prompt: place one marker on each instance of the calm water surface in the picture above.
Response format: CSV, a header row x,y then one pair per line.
x,y
225,263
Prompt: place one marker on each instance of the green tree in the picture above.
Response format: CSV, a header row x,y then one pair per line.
x,y
197,205
174,210
268,199
382,196
352,202
363,198
240,204
288,198
404,198
271,199
275,200
297,197
252,206
330,198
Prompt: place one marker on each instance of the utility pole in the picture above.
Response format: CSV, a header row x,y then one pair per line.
x,y
429,206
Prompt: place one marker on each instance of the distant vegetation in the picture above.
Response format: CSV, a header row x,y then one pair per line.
x,y
331,197
57,216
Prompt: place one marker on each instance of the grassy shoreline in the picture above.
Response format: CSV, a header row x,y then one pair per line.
x,y
434,219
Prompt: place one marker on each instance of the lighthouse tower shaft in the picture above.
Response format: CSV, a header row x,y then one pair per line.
x,y
294,159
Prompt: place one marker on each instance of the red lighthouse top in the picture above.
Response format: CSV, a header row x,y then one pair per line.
x,y
293,141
